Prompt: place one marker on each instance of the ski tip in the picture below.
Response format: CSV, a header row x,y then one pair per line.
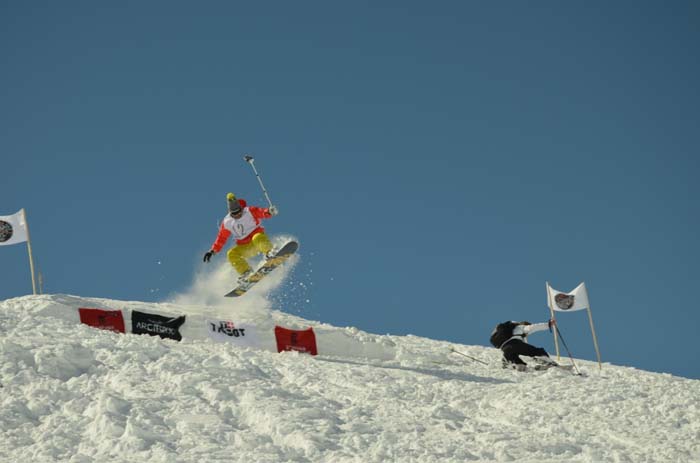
x,y
289,247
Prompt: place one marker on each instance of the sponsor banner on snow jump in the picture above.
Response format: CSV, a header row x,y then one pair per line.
x,y
298,340
227,331
111,320
156,325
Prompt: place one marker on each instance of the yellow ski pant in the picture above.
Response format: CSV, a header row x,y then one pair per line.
x,y
238,254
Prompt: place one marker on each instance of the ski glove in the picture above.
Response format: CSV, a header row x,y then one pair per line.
x,y
273,211
207,256
551,323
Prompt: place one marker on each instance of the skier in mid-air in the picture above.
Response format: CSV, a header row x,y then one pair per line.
x,y
510,337
243,222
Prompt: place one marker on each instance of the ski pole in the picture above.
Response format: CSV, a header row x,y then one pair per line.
x,y
468,356
250,160
567,349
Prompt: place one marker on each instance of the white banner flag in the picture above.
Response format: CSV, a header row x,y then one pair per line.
x,y
568,302
13,229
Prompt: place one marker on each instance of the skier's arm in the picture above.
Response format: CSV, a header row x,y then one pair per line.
x,y
260,212
221,238
524,330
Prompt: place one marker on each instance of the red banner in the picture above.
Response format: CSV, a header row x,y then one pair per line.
x,y
111,320
298,340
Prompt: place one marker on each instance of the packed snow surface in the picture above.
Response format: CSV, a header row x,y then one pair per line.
x,y
70,392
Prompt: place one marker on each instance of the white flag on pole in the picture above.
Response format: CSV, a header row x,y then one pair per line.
x,y
569,302
13,229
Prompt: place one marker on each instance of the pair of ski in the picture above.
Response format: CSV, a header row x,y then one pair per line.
x,y
539,365
279,258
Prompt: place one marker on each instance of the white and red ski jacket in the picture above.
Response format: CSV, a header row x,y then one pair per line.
x,y
243,228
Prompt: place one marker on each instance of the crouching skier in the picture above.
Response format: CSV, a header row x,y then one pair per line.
x,y
243,222
511,336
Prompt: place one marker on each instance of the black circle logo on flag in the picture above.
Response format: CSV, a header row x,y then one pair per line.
x,y
5,231
564,301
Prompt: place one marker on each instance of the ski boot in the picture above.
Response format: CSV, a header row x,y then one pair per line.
x,y
243,277
515,366
270,254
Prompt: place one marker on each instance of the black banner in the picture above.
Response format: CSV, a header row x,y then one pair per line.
x,y
156,325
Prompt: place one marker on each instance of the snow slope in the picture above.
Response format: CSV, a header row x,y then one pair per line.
x,y
73,393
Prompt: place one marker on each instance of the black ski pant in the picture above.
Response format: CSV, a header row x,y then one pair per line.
x,y
514,348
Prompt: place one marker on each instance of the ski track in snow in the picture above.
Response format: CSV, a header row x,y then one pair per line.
x,y
78,394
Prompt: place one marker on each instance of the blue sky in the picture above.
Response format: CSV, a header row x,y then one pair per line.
x,y
438,163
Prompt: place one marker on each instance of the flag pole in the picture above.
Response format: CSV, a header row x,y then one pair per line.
x,y
595,338
29,248
551,312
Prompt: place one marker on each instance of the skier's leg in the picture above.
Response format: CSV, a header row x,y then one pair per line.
x,y
532,351
511,352
262,243
237,256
